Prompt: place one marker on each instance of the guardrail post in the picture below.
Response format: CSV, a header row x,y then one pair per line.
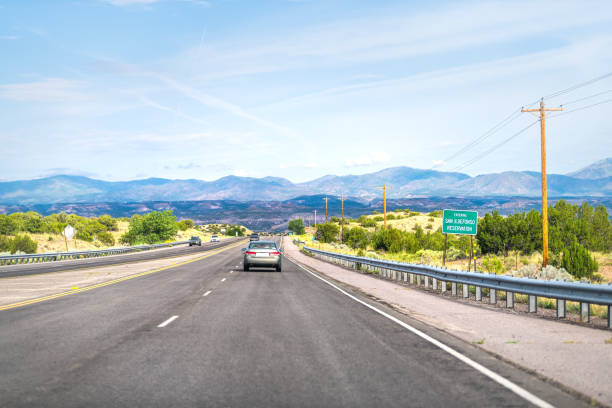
x,y
434,284
478,293
454,288
609,317
585,312
411,278
426,282
533,304
510,300
493,296
560,308
466,290
443,286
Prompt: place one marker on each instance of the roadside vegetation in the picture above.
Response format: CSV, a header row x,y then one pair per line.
x,y
580,241
33,233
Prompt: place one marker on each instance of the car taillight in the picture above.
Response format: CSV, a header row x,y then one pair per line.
x,y
275,253
250,253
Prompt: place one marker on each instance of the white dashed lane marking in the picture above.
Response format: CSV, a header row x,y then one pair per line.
x,y
207,293
167,322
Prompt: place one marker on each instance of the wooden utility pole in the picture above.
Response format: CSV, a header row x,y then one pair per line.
x,y
543,111
326,200
384,189
315,220
342,225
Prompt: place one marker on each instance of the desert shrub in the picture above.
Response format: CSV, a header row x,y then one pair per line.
x,y
379,218
151,228
431,219
327,232
235,231
578,262
429,226
184,225
437,214
106,238
356,238
391,216
109,222
8,226
297,226
5,243
492,264
367,222
335,219
23,243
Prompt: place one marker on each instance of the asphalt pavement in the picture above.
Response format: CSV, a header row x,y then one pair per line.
x,y
208,334
10,271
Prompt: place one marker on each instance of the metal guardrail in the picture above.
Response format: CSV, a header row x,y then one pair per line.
x,y
60,256
584,293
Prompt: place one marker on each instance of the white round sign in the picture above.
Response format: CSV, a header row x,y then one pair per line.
x,y
69,232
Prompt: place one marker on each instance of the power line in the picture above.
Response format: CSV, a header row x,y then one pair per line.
x,y
587,97
506,121
497,146
580,85
581,108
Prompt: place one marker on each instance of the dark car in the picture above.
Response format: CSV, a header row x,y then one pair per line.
x,y
264,254
195,241
254,237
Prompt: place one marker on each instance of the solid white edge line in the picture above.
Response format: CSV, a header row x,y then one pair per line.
x,y
523,393
167,322
223,280
207,293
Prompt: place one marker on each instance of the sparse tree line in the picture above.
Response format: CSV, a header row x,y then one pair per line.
x,y
154,227
574,230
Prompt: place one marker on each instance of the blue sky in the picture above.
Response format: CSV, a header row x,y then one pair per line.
x,y
125,89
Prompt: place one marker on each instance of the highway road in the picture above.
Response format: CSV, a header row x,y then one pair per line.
x,y
68,265
208,334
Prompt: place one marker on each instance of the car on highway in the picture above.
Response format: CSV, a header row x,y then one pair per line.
x,y
263,254
254,237
195,241
214,238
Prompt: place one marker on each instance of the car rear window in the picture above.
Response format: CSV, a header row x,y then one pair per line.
x,y
262,245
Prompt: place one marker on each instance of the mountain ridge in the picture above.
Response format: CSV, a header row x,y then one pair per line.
x,y
405,182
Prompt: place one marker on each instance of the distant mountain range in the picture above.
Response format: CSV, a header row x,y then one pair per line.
x,y
594,180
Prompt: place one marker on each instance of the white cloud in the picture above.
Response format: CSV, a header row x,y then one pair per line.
x,y
438,163
47,90
367,160
8,37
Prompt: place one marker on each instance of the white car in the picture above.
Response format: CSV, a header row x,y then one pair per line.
x,y
214,238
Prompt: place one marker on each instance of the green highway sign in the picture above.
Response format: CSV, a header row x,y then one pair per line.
x,y
460,222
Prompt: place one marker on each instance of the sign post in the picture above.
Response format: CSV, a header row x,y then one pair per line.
x,y
462,223
68,233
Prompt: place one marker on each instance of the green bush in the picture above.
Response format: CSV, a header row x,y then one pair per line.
x,y
578,262
492,264
151,228
367,222
327,232
234,231
109,222
356,237
8,226
335,219
23,243
184,225
391,216
297,226
106,238
379,218
437,213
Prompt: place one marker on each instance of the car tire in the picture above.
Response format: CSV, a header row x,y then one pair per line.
x,y
279,268
245,267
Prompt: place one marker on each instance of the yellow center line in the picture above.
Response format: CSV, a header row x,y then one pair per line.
x,y
86,266
112,282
